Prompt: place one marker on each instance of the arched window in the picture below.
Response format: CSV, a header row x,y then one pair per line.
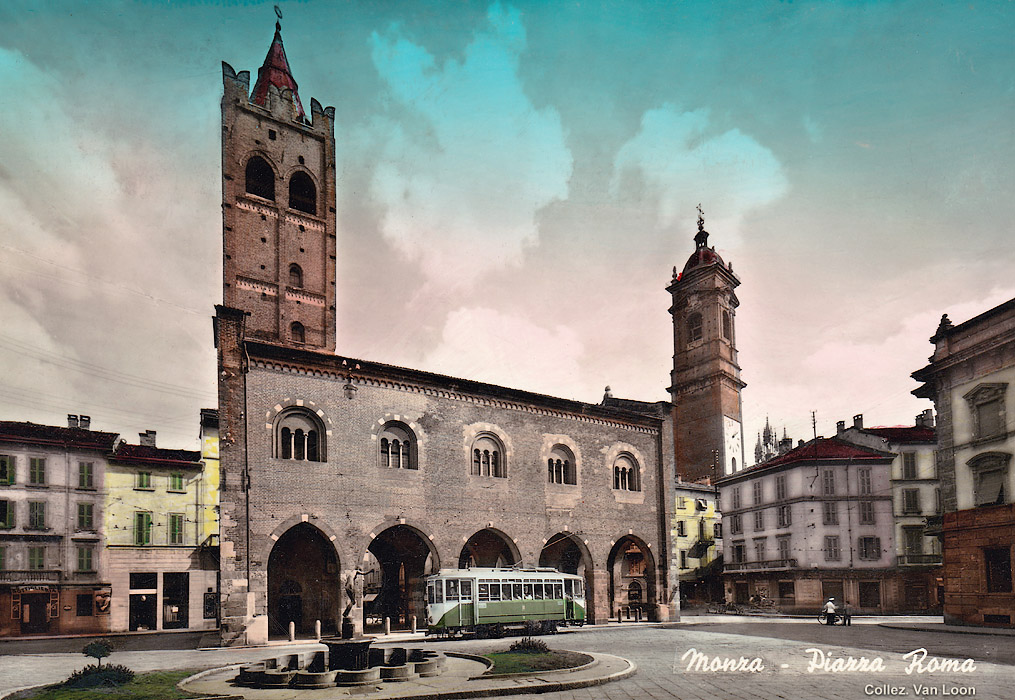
x,y
625,474
693,327
488,457
302,193
398,447
297,332
295,276
634,592
299,435
727,326
260,178
560,466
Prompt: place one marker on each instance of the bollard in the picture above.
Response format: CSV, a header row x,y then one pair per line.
x,y
637,614
387,625
414,624
292,631
620,614
317,630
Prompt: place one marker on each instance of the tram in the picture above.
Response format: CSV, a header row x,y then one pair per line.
x,y
490,601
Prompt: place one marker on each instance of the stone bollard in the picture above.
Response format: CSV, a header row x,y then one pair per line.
x,y
292,631
387,625
317,630
414,624
620,614
637,614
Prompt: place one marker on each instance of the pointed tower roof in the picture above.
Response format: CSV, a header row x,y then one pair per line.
x,y
275,71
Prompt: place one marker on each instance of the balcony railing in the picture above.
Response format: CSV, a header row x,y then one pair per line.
x,y
767,564
915,559
34,576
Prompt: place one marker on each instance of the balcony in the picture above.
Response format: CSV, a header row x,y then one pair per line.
x,y
34,576
919,559
761,565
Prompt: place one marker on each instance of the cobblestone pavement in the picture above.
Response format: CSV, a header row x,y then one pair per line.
x,y
661,673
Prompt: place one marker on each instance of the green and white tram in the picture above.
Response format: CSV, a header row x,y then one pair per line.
x,y
492,600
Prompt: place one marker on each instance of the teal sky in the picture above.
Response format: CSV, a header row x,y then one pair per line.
x,y
516,181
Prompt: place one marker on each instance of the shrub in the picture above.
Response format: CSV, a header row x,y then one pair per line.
x,y
98,650
529,645
94,675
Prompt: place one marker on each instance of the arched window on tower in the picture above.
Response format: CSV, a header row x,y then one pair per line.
x,y
260,178
297,333
488,457
300,436
727,326
398,446
693,327
560,466
625,474
295,276
302,193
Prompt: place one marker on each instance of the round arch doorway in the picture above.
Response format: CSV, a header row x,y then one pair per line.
x,y
399,558
304,584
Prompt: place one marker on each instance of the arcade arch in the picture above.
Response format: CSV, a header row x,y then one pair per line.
x,y
632,577
399,557
304,583
568,554
488,547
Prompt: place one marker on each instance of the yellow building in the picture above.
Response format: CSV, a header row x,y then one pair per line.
x,y
161,562
209,510
697,543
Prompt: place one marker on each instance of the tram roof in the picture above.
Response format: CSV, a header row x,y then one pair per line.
x,y
501,571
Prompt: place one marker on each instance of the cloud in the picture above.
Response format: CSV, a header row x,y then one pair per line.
x,y
468,160
678,163
501,348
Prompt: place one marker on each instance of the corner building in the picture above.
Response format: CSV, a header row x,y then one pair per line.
x,y
332,467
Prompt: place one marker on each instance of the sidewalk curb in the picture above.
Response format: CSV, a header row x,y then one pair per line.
x,y
954,629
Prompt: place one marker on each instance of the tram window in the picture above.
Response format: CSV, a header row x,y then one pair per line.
x,y
484,591
466,589
452,592
494,591
527,588
506,591
558,590
518,591
579,589
429,593
537,590
438,591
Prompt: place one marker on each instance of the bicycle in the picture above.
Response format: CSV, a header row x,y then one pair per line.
x,y
837,619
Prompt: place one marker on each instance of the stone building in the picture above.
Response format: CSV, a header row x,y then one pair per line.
x,y
968,378
159,561
696,561
345,481
53,571
811,524
705,383
916,498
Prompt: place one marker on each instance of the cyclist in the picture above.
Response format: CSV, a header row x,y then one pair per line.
x,y
829,611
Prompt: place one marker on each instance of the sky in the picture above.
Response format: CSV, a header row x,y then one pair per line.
x,y
516,181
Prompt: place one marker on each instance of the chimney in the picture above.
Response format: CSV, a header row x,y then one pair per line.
x,y
840,427
785,445
799,443
85,422
858,421
147,438
72,420
925,419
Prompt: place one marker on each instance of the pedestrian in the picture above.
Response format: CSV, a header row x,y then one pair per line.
x,y
829,611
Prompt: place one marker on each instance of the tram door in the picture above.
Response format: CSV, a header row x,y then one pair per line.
x,y
568,599
467,603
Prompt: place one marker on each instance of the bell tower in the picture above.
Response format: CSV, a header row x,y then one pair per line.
x,y
278,206
705,383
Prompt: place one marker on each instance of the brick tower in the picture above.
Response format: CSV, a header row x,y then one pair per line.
x,y
278,206
705,383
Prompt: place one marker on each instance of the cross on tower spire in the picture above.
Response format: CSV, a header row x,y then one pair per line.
x,y
701,238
